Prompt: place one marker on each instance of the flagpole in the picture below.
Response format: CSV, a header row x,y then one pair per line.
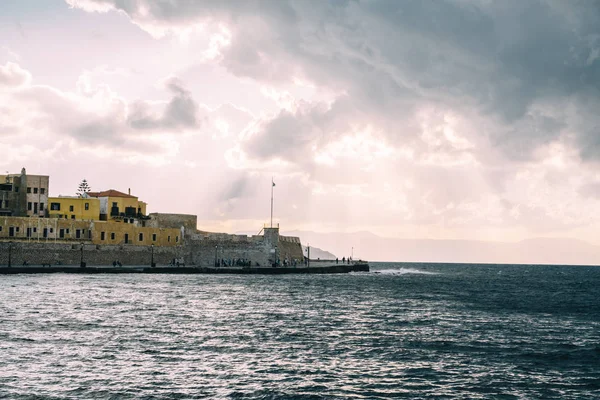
x,y
272,201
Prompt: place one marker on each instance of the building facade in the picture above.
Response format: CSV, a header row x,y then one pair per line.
x,y
11,200
36,189
86,231
71,207
24,195
119,206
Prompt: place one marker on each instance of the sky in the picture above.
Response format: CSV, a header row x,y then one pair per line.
x,y
462,120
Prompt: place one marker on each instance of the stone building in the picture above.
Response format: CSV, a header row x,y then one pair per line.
x,y
10,197
36,188
24,195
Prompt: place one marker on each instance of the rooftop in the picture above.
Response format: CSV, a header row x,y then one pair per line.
x,y
111,193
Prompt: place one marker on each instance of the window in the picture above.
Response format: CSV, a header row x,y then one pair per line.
x,y
35,190
16,189
141,237
153,237
0,228
78,233
42,190
72,217
87,206
28,190
34,229
29,206
41,206
55,206
51,230
67,230
71,208
115,204
168,238
102,234
126,238
89,234
112,236
17,229
176,238
35,208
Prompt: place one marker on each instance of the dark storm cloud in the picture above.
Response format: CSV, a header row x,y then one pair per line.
x,y
497,58
240,187
293,134
97,131
180,112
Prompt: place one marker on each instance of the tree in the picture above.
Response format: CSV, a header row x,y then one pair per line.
x,y
83,188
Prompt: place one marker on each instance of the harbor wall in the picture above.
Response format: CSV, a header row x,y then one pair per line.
x,y
70,254
206,251
199,249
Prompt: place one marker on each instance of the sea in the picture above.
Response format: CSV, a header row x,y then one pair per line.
x,y
403,330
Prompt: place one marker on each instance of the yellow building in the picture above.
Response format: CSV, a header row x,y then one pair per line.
x,y
86,231
118,206
78,208
108,232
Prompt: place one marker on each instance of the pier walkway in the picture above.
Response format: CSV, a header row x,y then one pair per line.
x,y
314,268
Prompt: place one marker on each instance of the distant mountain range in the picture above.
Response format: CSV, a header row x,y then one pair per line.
x,y
369,246
315,253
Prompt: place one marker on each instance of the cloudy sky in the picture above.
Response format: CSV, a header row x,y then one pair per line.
x,y
465,119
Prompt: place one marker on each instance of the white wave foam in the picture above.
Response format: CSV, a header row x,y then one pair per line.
x,y
404,271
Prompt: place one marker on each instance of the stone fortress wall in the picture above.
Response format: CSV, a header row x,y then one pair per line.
x,y
197,248
161,220
290,248
34,253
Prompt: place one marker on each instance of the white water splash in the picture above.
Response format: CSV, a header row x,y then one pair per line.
x,y
404,271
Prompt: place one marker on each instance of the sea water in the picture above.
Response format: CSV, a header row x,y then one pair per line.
x,y
402,330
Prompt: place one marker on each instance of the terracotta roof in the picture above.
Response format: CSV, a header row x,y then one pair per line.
x,y
111,193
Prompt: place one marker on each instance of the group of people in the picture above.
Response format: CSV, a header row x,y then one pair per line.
x,y
292,263
177,262
234,262
349,259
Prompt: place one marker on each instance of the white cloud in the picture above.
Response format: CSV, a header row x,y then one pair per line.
x,y
456,116
13,76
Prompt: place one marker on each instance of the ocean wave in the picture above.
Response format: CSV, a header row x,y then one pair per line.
x,y
404,271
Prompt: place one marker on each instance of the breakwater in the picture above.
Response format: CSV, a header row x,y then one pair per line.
x,y
318,269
